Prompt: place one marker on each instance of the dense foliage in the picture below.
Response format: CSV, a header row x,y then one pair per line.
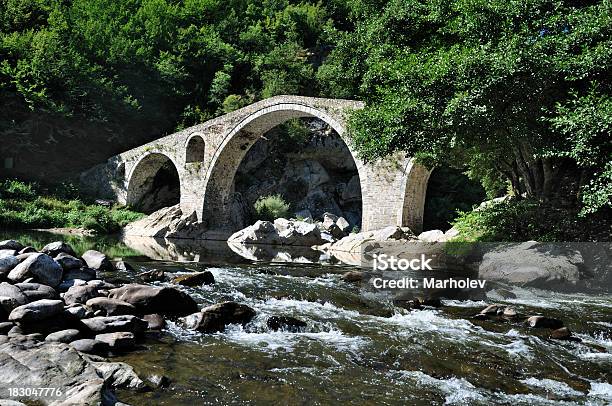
x,y
26,205
517,90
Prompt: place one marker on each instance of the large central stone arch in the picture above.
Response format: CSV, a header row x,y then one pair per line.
x,y
237,142
208,155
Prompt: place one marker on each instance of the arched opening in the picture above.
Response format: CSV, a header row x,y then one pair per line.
x,y
448,192
154,184
415,186
305,162
195,149
303,171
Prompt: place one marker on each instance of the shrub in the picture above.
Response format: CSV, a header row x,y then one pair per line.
x,y
529,219
271,207
14,189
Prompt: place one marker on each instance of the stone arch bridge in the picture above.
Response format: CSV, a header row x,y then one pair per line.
x,y
206,157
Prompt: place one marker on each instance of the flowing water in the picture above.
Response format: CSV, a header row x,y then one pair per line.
x,y
358,348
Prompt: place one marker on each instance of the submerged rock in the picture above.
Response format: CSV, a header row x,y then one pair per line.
x,y
544,322
214,318
195,279
285,323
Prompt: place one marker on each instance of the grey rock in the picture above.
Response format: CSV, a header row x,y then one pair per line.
x,y
111,307
195,279
353,276
285,323
97,260
214,318
26,363
37,311
123,266
5,327
68,262
544,322
78,311
11,245
63,336
68,283
120,375
152,275
90,346
433,236
55,248
121,340
155,321
343,225
152,299
37,291
11,297
113,324
40,266
531,264
27,250
159,381
81,294
84,274
7,253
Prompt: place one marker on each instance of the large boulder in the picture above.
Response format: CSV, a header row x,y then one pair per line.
x,y
83,273
262,232
214,318
37,311
110,307
11,245
11,297
97,260
152,299
55,248
27,363
40,266
63,336
81,294
531,264
353,243
68,262
113,324
7,264
37,291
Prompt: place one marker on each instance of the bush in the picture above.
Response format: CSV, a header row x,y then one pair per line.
x,y
14,189
529,219
271,207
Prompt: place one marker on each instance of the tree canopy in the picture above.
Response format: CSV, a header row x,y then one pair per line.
x,y
517,92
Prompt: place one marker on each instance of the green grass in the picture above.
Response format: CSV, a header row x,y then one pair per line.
x,y
27,206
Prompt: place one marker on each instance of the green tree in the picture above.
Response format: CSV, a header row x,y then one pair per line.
x,y
517,90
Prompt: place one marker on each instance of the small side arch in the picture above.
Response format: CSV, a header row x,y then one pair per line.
x,y
195,149
414,186
153,183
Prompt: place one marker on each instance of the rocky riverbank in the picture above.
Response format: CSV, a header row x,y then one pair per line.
x,y
71,315
58,315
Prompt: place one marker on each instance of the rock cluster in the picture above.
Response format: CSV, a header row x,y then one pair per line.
x,y
55,310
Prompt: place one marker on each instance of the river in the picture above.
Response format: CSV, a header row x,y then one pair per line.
x,y
358,348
